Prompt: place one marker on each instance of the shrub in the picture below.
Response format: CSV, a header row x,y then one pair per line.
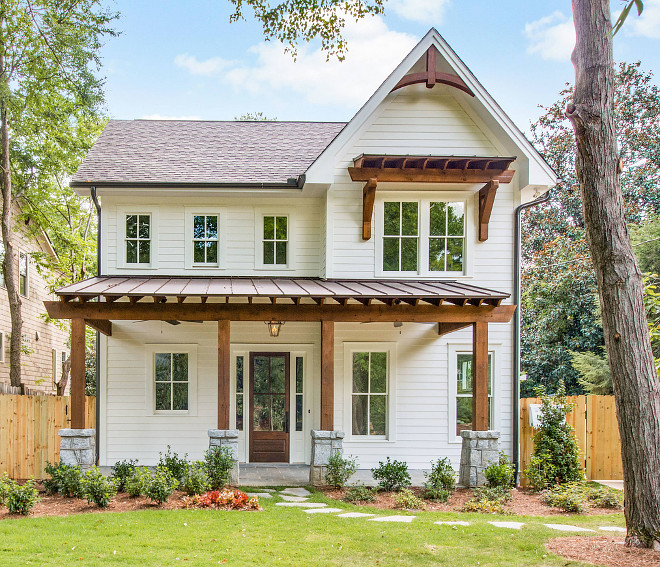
x,y
173,463
484,507
121,471
226,498
501,473
605,498
489,500
359,493
95,487
440,482
556,457
21,499
408,500
219,463
391,475
65,480
571,497
339,470
4,489
196,479
138,482
162,485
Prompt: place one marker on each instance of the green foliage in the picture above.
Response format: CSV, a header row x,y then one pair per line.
x,y
594,373
219,463
408,500
391,475
571,497
501,474
339,470
4,488
162,485
196,480
20,499
65,480
489,500
556,457
359,493
95,487
173,463
440,482
652,306
138,482
121,470
605,497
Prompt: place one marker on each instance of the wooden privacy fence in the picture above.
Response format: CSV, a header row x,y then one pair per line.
x,y
28,431
597,432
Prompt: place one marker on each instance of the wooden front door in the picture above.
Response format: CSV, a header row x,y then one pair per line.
x,y
269,407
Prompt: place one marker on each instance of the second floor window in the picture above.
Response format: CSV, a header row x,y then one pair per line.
x,y
446,237
138,239
400,237
276,240
23,273
205,239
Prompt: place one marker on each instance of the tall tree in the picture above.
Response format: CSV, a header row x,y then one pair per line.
x,y
48,85
634,378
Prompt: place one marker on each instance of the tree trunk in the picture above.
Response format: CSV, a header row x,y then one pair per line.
x,y
66,370
634,378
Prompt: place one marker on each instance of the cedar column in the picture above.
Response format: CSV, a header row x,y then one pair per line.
x,y
77,374
223,374
327,375
480,376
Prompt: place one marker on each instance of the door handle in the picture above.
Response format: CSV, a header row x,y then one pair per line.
x,y
286,422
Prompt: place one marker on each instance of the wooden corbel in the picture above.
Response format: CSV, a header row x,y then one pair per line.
x,y
368,198
445,328
486,200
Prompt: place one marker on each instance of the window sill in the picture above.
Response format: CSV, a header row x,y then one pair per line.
x,y
171,413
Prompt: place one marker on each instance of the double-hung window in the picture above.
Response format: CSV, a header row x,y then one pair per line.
x,y
171,377
205,240
370,393
400,236
275,240
138,239
463,361
446,236
23,273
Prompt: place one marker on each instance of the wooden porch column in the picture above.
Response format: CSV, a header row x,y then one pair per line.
x,y
77,374
480,376
327,375
224,365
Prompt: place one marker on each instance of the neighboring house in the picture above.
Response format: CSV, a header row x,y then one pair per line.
x,y
45,345
284,277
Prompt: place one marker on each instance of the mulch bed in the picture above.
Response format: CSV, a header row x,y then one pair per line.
x,y
603,550
525,503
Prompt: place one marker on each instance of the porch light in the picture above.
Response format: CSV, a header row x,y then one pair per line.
x,y
274,327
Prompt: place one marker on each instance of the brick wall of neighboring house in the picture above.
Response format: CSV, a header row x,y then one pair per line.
x,y
46,342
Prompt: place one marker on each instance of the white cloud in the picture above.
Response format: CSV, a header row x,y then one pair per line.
x,y
646,25
424,11
208,67
373,52
552,37
161,117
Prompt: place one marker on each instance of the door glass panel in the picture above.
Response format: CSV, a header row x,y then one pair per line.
x,y
278,413
299,412
277,374
239,374
261,372
299,375
261,415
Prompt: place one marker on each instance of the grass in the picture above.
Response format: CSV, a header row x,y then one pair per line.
x,y
280,536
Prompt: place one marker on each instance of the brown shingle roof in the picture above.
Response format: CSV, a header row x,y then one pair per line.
x,y
190,151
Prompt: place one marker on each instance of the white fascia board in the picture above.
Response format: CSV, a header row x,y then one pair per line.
x,y
536,172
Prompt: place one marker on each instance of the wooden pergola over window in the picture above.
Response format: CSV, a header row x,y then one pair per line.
x,y
373,169
452,305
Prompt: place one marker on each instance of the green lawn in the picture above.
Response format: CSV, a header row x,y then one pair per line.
x,y
279,536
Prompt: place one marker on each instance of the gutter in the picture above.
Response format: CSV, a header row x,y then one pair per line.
x,y
291,183
516,328
92,191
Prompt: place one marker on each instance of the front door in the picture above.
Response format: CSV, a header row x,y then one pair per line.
x,y
269,407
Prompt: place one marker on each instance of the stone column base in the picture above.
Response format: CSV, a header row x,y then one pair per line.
x,y
480,449
324,445
226,438
78,447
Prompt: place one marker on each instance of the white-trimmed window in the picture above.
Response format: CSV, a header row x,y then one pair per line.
x,y
275,240
23,264
424,236
460,387
205,240
172,379
138,230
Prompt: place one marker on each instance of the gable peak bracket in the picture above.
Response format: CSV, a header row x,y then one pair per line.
x,y
486,200
432,77
368,198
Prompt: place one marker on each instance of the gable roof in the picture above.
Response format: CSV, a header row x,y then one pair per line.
x,y
532,167
191,152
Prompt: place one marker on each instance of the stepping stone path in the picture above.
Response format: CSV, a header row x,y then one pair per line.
x,y
303,504
296,491
322,510
613,529
288,498
566,528
259,494
509,525
456,523
354,515
402,519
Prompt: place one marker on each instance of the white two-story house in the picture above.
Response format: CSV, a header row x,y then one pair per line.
x,y
279,278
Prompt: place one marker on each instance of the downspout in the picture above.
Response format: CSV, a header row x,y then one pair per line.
x,y
516,328
92,190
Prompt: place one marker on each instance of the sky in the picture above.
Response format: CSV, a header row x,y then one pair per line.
x,y
183,59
